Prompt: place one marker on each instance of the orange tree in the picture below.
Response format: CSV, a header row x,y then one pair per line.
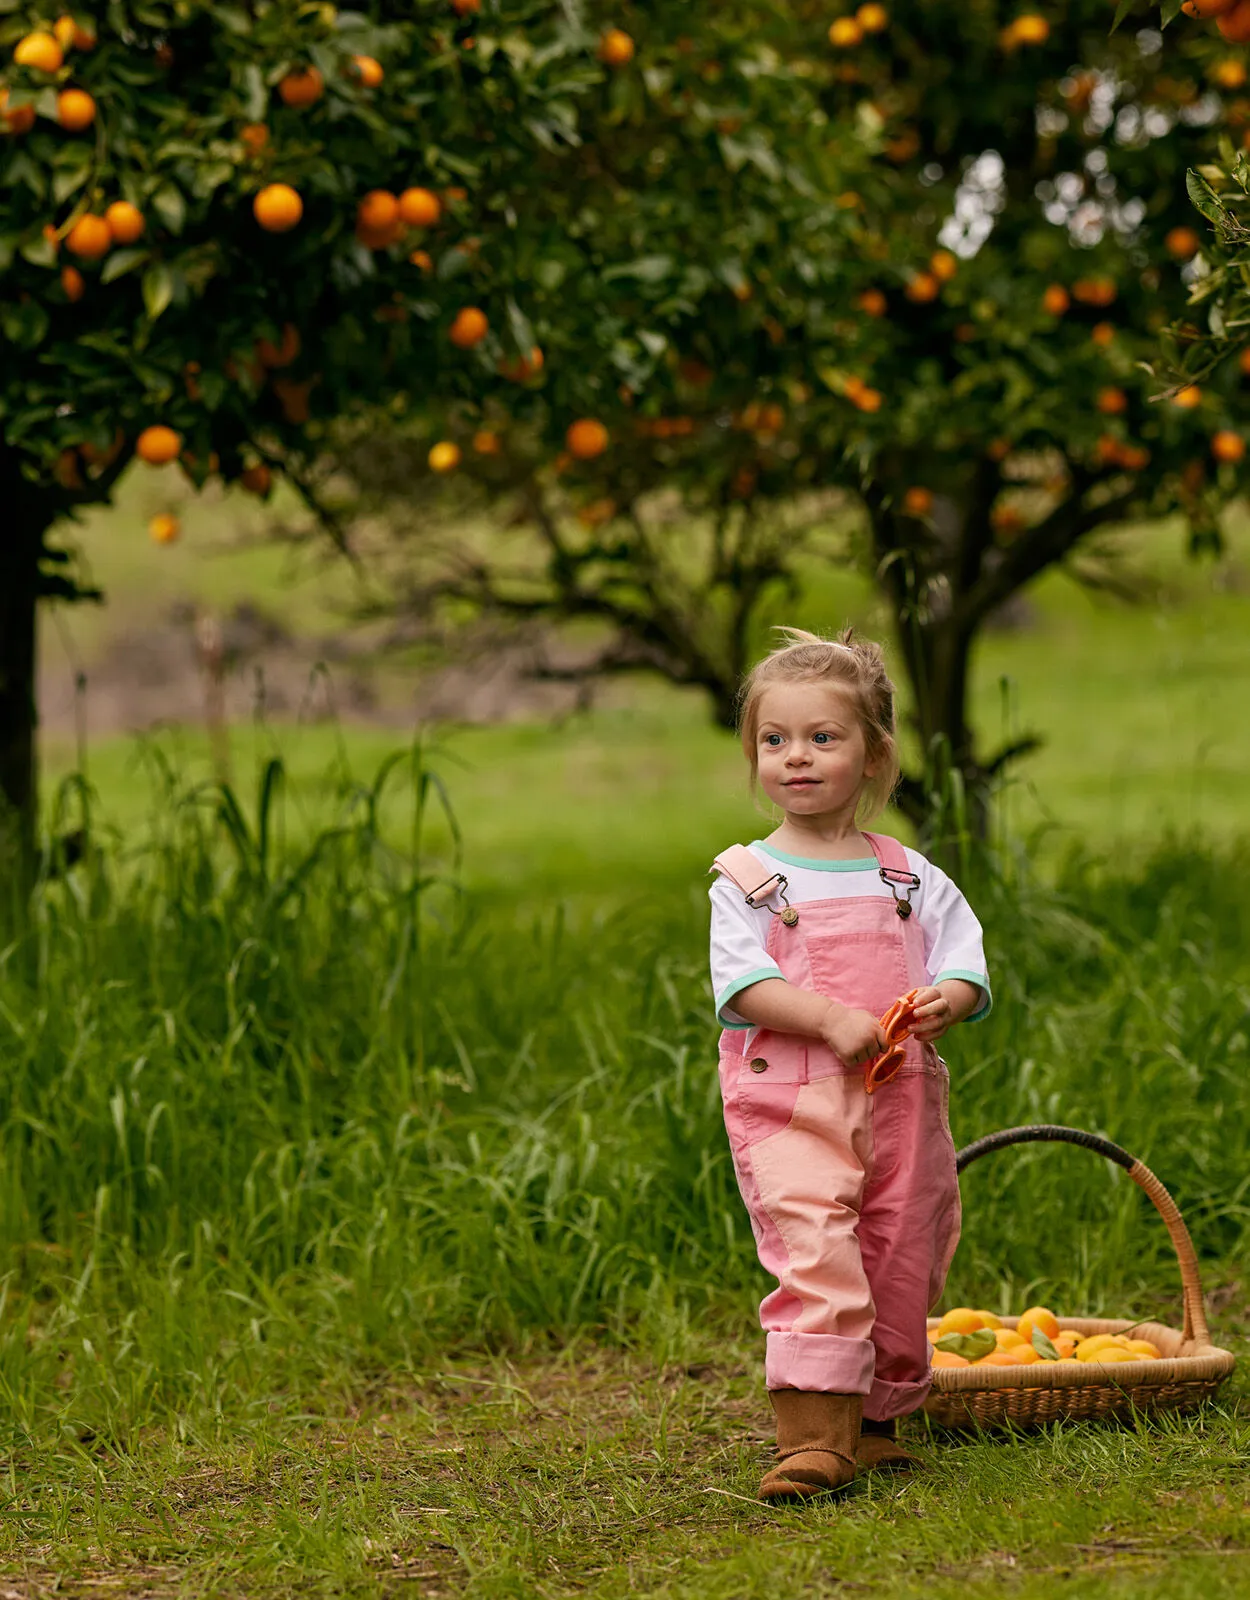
x,y
227,225
972,380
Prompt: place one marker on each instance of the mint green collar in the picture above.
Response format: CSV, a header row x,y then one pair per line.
x,y
861,865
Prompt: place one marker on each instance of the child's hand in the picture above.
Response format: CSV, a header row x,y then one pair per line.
x,y
931,1014
856,1036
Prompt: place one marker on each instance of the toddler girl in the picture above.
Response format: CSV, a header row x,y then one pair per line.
x,y
816,930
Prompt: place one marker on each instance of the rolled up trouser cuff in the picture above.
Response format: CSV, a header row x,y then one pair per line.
x,y
821,1363
887,1400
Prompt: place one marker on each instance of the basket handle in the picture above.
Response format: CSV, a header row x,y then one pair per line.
x,y
1195,1327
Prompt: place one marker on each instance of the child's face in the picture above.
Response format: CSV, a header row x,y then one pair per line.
x,y
810,745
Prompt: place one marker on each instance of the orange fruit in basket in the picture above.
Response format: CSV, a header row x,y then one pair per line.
x,y
960,1319
948,1358
1024,1355
1038,1317
1008,1338
989,1320
997,1358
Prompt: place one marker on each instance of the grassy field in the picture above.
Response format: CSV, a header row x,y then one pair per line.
x,y
1142,708
369,1231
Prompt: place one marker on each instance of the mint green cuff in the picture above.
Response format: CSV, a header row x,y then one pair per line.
x,y
723,1000
981,981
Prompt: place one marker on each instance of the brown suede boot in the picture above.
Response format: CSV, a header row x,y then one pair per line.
x,y
879,1447
816,1437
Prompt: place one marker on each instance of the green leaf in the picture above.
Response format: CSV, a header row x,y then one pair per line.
x,y
1043,1345
39,252
969,1345
158,289
521,328
1204,197
1169,11
647,269
172,208
121,261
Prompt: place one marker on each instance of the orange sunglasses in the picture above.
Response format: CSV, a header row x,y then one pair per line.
x,y
896,1025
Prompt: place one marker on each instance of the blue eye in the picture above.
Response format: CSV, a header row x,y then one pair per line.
x,y
769,737
820,736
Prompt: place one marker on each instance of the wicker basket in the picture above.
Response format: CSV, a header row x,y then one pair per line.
x,y
1191,1367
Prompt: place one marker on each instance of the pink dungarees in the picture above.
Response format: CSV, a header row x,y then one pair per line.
x,y
853,1197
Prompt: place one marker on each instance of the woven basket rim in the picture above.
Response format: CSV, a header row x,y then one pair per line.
x,y
1203,1362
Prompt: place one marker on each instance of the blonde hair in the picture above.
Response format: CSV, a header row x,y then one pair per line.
x,y
855,667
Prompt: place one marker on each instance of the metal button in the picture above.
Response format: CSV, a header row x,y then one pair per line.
x,y
759,1064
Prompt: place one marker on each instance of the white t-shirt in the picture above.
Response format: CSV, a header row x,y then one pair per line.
x,y
952,935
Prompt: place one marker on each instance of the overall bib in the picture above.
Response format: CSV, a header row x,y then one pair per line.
x,y
853,1197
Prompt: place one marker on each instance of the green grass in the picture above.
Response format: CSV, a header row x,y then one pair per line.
x,y
292,1137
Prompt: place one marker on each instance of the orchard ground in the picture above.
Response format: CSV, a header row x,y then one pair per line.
x,y
361,1241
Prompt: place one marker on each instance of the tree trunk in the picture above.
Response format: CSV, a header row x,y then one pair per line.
x,y
20,548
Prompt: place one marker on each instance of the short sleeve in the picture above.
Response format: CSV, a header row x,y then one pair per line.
x,y
953,942
739,955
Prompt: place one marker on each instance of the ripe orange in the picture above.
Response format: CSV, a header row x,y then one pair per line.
x,y
1023,1354
89,237
873,18
846,33
523,368
1103,333
943,264
1038,1317
469,327
420,208
865,398
72,283
367,70
1030,30
922,287
1008,1338
257,479
1191,395
1094,291
486,442
39,50
1227,446
872,303
1111,401
75,110
948,1358
1055,300
586,439
377,212
21,119
125,222
1182,243
255,135
422,259
1228,74
158,444
444,456
466,8
1207,8
616,48
990,1319
278,208
164,529
918,502
960,1319
303,87
275,355
1235,23
69,33
379,238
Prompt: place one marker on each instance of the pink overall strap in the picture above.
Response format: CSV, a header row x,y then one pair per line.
x,y
889,852
741,868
